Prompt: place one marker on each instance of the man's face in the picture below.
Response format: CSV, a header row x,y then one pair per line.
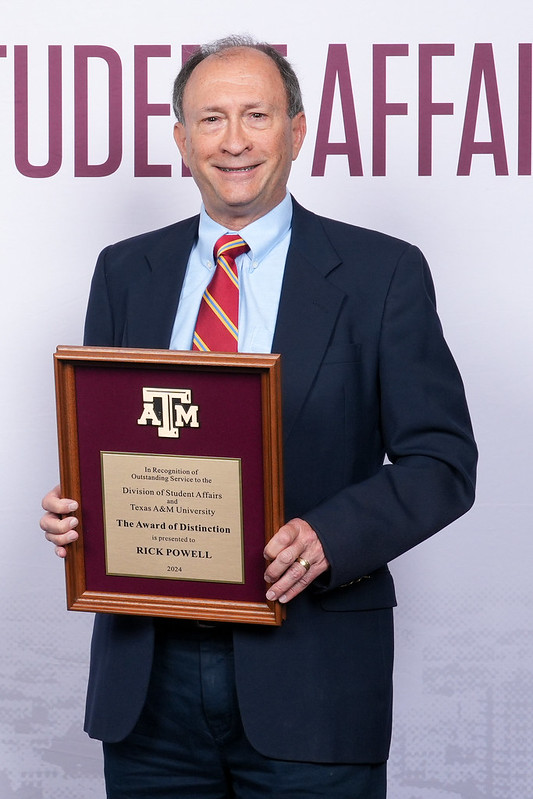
x,y
238,140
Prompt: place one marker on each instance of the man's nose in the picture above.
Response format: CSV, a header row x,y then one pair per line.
x,y
236,137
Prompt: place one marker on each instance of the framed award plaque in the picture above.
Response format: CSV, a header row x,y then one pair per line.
x,y
175,461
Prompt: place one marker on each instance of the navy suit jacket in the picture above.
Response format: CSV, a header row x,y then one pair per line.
x,y
366,374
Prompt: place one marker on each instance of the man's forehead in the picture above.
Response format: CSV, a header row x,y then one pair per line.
x,y
246,104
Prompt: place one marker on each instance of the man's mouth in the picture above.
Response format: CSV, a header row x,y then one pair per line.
x,y
237,169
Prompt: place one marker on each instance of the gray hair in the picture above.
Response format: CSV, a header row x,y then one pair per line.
x,y
288,76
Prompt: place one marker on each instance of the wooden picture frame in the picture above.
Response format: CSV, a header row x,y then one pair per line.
x,y
175,461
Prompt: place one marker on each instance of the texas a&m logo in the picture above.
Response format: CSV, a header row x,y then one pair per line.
x,y
169,410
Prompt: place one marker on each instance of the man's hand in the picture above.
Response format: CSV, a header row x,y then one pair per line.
x,y
295,542
57,524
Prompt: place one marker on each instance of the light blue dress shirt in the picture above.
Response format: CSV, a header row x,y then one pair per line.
x,y
260,277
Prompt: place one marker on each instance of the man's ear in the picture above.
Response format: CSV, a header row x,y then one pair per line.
x,y
299,129
180,137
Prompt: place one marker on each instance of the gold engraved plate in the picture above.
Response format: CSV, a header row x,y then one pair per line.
x,y
173,517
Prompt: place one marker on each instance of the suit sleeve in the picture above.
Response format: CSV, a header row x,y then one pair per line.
x,y
99,321
427,436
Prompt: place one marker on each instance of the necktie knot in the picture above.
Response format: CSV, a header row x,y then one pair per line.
x,y
229,246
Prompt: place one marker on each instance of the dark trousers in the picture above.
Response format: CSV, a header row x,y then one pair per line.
x,y
189,741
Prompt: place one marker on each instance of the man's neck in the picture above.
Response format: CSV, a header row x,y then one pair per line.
x,y
238,221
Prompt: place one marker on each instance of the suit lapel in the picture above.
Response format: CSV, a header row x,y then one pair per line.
x,y
309,307
152,309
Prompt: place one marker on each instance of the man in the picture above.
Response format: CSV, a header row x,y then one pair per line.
x,y
305,709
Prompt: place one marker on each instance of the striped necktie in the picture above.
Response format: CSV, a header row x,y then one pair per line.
x,y
217,325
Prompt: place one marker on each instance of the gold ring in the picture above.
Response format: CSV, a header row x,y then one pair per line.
x,y
303,562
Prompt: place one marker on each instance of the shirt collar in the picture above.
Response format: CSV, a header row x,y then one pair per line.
x,y
261,236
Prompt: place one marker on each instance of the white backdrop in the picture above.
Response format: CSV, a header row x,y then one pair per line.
x,y
464,701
